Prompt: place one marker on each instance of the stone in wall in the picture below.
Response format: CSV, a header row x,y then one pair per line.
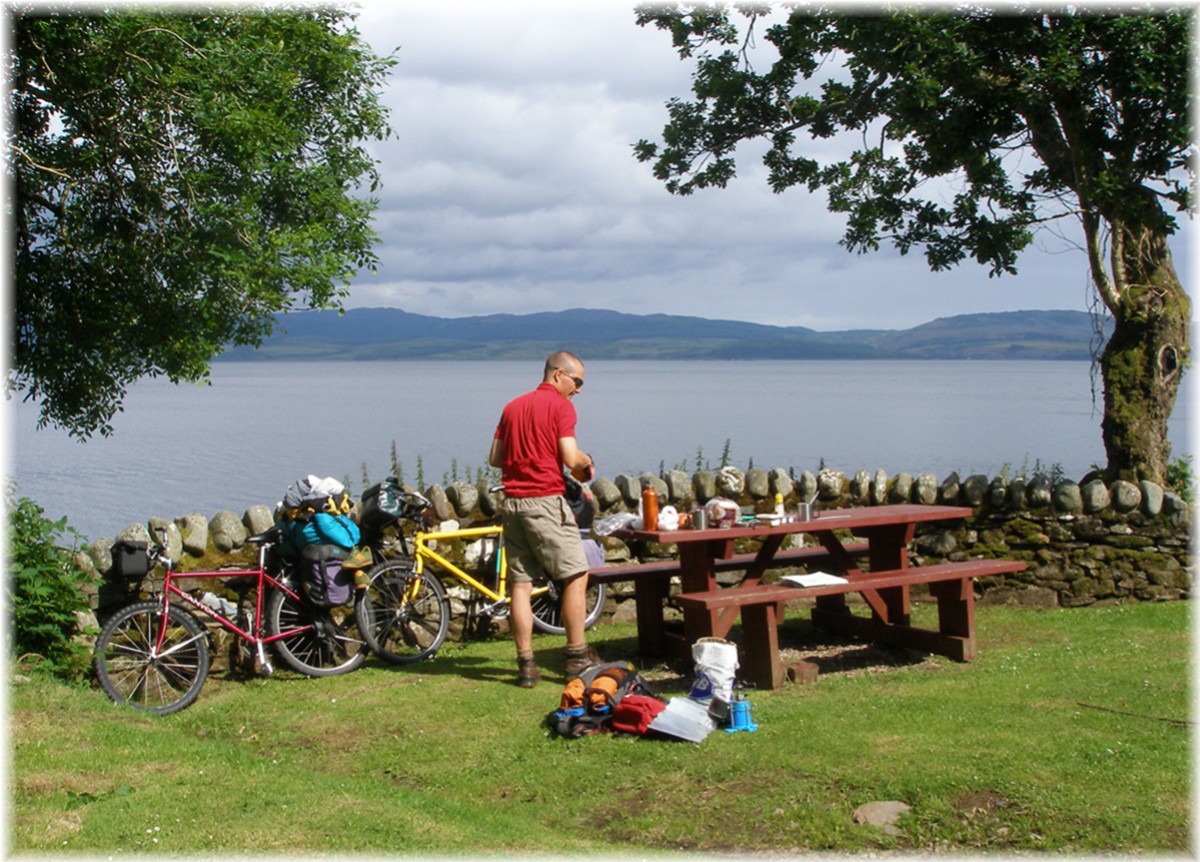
x,y
1016,494
630,488
704,483
608,495
441,503
463,498
974,489
925,491
860,488
758,485
879,488
1152,497
1067,497
193,529
779,482
227,531
1126,496
1095,496
679,489
901,489
258,519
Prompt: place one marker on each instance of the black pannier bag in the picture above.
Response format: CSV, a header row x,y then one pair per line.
x,y
130,561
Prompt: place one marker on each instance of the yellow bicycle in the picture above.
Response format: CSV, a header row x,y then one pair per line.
x,y
404,614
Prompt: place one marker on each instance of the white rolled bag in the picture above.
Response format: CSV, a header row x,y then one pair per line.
x,y
716,669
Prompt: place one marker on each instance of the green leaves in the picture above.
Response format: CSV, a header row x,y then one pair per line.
x,y
176,181
45,591
1009,112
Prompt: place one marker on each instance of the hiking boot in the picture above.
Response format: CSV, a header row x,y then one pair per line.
x,y
527,673
577,664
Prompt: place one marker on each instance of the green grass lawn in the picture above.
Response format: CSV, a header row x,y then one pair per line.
x,y
1069,733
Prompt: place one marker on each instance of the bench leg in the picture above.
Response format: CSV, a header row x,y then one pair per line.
x,y
760,635
956,613
650,595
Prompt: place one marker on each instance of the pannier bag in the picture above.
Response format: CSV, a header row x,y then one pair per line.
x,y
323,579
130,561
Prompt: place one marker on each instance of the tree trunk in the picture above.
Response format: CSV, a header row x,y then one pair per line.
x,y
1143,361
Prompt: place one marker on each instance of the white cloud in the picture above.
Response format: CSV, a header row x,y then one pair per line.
x,y
511,186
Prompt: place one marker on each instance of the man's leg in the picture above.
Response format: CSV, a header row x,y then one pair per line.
x,y
521,618
573,598
574,607
521,621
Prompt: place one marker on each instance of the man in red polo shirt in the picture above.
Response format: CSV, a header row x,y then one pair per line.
x,y
534,441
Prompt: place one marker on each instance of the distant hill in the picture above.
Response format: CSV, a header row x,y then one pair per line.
x,y
391,333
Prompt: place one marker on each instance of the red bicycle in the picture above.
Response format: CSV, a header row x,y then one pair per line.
x,y
154,655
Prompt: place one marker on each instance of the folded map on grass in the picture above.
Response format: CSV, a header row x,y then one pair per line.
x,y
812,579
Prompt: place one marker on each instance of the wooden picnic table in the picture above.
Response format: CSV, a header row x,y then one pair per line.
x,y
711,611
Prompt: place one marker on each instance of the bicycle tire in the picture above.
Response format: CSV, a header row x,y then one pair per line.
x,y
128,669
400,625
327,642
547,612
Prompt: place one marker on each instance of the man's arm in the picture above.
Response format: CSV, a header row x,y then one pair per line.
x,y
573,458
496,455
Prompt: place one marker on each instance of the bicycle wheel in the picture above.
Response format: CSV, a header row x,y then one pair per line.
x,y
547,612
324,641
402,619
133,670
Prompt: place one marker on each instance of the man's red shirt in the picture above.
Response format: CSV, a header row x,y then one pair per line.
x,y
531,426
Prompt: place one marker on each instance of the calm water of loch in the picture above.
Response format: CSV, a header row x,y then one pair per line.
x,y
261,425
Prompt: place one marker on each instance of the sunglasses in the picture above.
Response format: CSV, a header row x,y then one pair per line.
x,y
578,381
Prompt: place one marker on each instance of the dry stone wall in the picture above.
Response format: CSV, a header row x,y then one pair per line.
x,y
1086,542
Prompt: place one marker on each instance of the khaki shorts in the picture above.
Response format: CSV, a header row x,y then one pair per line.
x,y
541,538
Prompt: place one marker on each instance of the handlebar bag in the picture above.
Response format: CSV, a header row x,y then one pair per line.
x,y
130,561
382,503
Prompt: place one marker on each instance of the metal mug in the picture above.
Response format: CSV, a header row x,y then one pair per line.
x,y
804,512
699,519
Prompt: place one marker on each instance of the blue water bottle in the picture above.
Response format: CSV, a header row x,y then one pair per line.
x,y
739,715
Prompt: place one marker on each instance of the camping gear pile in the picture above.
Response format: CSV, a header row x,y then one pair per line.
x,y
614,698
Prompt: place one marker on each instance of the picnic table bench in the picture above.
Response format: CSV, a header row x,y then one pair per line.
x,y
652,584
886,593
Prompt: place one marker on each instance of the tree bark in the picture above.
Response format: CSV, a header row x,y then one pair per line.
x,y
1142,364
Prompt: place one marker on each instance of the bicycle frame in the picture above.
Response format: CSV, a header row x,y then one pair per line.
x,y
422,553
499,596
262,578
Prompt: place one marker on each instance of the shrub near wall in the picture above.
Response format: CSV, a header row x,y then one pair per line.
x,y
1085,542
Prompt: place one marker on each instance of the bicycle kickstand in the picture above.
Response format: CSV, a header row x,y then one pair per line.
x,y
263,661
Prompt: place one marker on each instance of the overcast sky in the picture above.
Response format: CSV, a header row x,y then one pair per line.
x,y
510,186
